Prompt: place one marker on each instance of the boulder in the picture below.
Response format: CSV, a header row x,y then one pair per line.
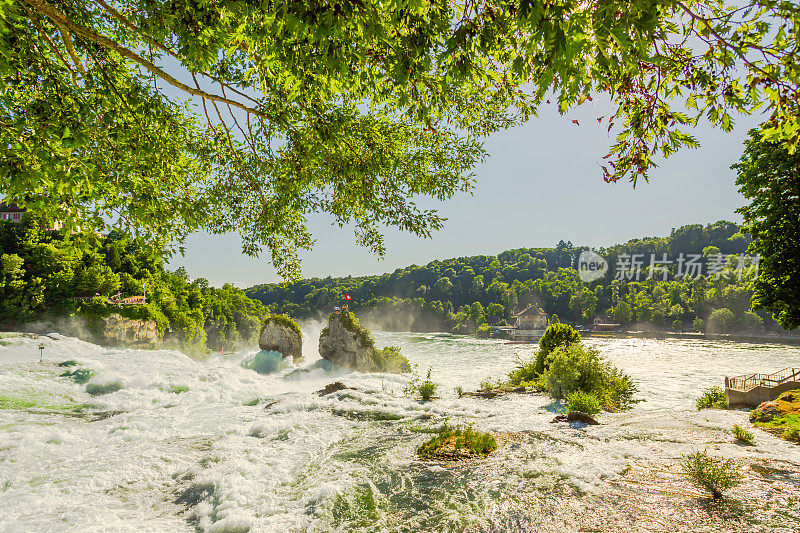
x,y
330,388
576,416
346,344
116,329
281,334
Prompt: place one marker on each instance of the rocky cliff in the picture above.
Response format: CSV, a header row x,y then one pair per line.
x,y
281,334
115,329
346,344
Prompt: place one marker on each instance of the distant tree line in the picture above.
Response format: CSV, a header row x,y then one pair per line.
x,y
464,294
49,274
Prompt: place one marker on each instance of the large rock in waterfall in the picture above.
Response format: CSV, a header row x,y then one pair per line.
x,y
281,334
346,344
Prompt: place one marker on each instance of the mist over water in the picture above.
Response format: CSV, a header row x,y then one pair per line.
x,y
239,451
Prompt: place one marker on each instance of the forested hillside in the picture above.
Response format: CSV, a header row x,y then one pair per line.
x,y
45,275
462,294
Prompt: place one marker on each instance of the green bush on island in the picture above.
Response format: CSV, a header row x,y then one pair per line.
x,y
557,334
452,439
576,368
711,398
584,402
712,474
743,435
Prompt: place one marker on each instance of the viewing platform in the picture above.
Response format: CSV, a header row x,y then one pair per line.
x,y
753,389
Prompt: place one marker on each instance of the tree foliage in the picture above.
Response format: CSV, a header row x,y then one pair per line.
x,y
769,177
545,277
353,109
47,275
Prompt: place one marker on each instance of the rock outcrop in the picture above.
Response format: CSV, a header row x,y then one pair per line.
x,y
576,416
281,334
346,344
336,386
115,329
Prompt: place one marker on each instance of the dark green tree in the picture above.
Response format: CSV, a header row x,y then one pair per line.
x,y
768,175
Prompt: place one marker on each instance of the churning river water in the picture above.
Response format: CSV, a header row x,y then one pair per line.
x,y
213,446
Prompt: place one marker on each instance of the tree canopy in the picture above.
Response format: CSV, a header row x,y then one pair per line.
x,y
769,176
161,117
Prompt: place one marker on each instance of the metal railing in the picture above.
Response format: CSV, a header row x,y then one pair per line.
x,y
749,382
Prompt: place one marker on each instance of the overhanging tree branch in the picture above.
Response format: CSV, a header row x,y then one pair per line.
x,y
61,20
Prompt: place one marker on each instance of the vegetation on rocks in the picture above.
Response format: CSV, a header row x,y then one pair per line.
x,y
344,334
711,473
780,416
284,320
711,398
79,376
96,389
455,442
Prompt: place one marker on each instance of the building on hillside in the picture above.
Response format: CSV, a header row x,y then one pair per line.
x,y
531,323
11,212
14,213
605,323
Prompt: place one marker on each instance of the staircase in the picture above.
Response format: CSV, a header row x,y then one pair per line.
x,y
753,389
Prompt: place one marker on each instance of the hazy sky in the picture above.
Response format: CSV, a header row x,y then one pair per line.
x,y
540,183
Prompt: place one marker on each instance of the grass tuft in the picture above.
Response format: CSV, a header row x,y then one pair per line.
x,y
742,435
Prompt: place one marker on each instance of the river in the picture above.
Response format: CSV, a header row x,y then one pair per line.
x,y
212,446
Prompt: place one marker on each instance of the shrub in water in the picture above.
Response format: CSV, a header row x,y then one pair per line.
x,y
712,398
743,435
711,473
557,335
68,363
576,368
584,402
96,390
427,388
389,359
